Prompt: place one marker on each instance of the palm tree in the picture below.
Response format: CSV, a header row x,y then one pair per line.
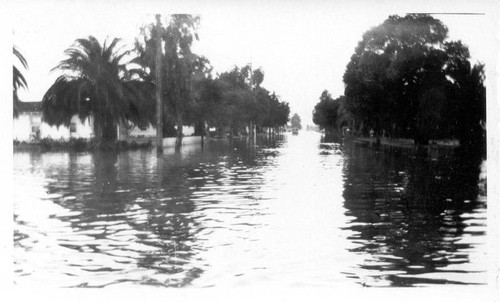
x,y
97,83
18,80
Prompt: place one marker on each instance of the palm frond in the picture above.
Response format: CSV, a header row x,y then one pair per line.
x,y
18,79
20,57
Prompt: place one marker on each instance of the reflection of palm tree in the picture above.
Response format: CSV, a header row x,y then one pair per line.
x,y
152,208
18,79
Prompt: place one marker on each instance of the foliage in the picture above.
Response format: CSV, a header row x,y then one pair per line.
x,y
245,101
404,77
18,80
96,82
178,61
117,87
77,144
296,122
326,113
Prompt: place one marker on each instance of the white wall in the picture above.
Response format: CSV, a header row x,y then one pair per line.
x,y
22,127
187,130
151,131
148,132
83,130
53,132
23,123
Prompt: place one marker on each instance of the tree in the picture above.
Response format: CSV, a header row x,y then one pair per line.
x,y
272,112
239,97
18,80
326,112
96,82
469,108
296,121
401,78
206,97
179,64
233,100
393,66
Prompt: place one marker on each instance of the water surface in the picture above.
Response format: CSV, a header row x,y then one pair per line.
x,y
293,211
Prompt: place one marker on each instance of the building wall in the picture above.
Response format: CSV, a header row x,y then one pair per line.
x,y
148,132
54,132
151,131
22,127
24,123
83,130
187,130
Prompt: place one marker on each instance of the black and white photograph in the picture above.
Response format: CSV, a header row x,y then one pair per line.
x,y
336,145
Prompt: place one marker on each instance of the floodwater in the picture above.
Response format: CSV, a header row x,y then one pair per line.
x,y
294,211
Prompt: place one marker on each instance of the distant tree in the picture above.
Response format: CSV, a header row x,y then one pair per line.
x,y
296,123
258,77
18,79
238,98
272,112
282,115
206,97
235,99
326,112
96,83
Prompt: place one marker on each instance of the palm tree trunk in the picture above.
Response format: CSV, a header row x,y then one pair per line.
x,y
104,129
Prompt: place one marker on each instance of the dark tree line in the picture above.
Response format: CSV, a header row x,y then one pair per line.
x,y
405,79
245,102
116,86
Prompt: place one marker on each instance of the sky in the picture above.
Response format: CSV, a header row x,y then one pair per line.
x,y
303,47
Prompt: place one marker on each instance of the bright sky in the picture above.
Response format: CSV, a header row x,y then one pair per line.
x,y
302,46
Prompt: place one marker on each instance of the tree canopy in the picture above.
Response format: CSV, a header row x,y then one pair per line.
x,y
245,101
406,78
95,82
296,122
327,113
178,61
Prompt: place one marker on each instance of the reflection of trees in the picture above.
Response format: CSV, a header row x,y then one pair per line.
x,y
408,209
121,192
142,208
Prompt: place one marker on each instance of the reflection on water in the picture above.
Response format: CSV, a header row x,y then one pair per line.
x,y
416,220
292,211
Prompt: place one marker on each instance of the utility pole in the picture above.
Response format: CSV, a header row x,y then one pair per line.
x,y
158,78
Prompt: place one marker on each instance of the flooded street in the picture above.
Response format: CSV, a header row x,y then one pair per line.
x,y
288,212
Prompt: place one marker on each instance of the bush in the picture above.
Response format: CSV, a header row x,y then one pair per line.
x,y
79,144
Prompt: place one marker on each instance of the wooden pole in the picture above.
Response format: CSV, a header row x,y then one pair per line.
x,y
158,78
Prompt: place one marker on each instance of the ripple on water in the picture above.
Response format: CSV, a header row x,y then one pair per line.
x,y
295,212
